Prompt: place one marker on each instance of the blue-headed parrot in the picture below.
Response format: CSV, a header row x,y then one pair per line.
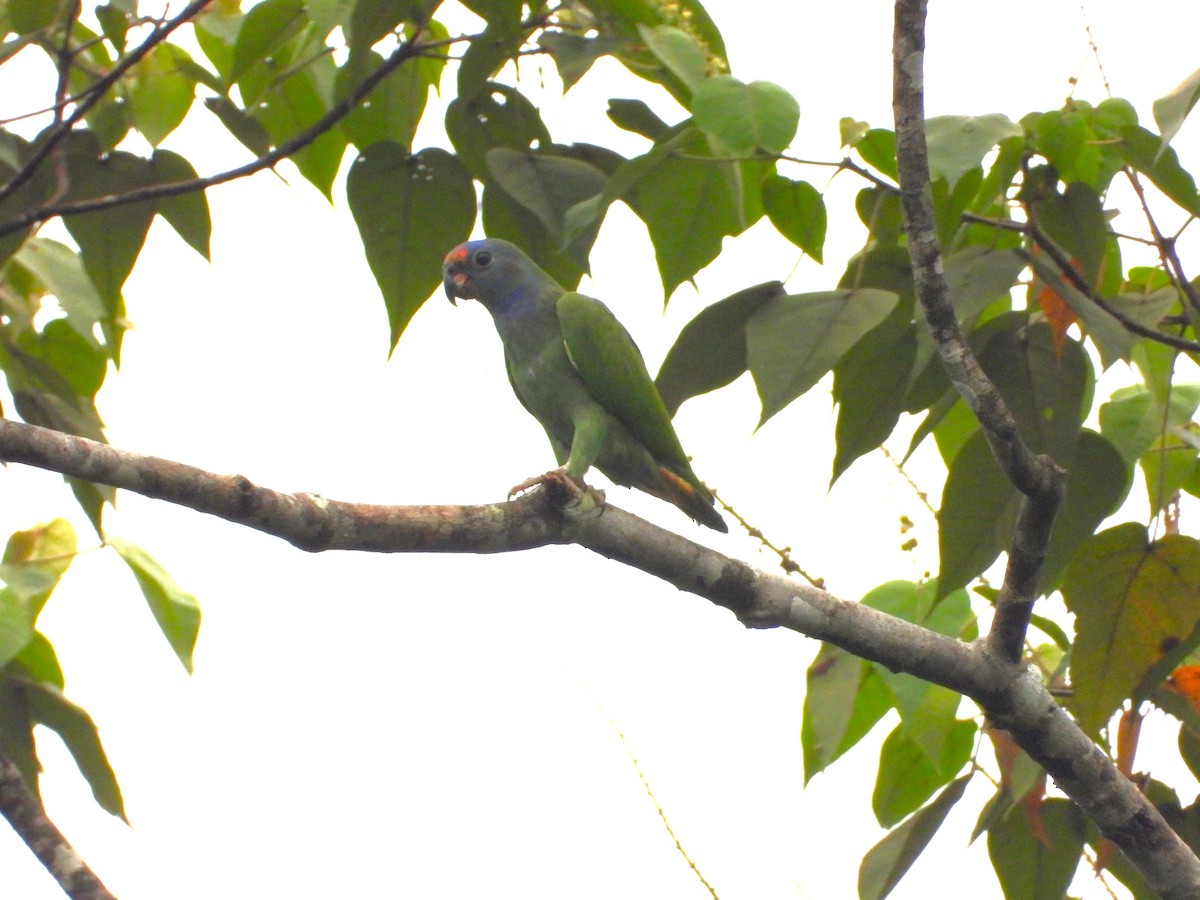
x,y
577,371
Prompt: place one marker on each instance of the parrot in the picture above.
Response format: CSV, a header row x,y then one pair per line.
x,y
577,371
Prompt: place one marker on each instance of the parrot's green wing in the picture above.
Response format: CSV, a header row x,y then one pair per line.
x,y
615,374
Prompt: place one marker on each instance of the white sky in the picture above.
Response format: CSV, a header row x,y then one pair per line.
x,y
426,726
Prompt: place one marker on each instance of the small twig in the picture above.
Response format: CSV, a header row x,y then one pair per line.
x,y
28,819
921,495
786,562
1166,245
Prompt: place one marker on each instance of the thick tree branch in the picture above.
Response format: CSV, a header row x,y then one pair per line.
x,y
1038,477
24,812
1020,703
1013,697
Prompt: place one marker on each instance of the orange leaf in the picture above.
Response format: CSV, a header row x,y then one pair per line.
x,y
1006,750
1185,681
1058,313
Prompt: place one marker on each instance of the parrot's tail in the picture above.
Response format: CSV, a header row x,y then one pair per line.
x,y
693,499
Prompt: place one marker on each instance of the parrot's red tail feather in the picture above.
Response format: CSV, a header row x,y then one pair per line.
x,y
693,500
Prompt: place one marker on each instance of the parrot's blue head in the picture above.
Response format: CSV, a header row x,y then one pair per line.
x,y
492,271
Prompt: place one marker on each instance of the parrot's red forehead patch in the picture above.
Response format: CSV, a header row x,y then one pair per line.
x,y
458,254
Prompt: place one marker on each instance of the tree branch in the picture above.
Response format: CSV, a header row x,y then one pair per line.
x,y
1038,477
1022,706
1013,698
21,807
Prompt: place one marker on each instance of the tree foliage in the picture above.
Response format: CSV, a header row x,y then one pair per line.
x,y
1034,279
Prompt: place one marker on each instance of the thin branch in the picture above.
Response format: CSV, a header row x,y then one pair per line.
x,y
24,812
1038,477
63,128
296,143
1013,697
1165,245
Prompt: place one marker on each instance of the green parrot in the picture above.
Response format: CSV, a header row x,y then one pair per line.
x,y
578,372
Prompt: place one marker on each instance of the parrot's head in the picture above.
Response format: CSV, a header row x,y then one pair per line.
x,y
492,271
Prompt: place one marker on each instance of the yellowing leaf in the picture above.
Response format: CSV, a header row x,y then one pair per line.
x,y
1133,601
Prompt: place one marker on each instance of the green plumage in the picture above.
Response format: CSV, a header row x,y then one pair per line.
x,y
575,368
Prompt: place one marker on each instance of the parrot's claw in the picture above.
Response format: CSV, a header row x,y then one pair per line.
x,y
566,491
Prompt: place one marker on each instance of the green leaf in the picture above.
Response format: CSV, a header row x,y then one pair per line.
x,y
843,700
797,211
1170,464
979,510
266,27
504,217
794,340
546,185
410,210
887,862
636,116
295,104
742,118
34,561
689,204
1131,599
1171,110
40,662
978,276
72,357
710,351
878,149
186,213
175,610
1151,156
160,96
1134,417
249,131
870,383
1075,221
1044,390
1097,484
1068,142
109,239
48,706
500,116
27,16
907,778
60,270
678,53
1029,869
958,144
392,111
574,54
500,42
851,131
216,33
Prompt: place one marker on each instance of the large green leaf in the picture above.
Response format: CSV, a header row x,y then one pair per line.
x,y
886,863
1131,599
186,213
677,51
793,341
547,185
1075,221
742,118
410,210
160,95
797,211
907,777
958,144
48,706
574,54
500,116
109,239
504,217
61,272
34,561
689,204
1029,869
1171,110
843,700
392,111
500,42
266,27
710,351
1134,417
1097,484
295,104
978,512
1150,155
175,610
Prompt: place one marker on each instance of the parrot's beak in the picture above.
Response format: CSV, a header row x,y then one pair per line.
x,y
457,284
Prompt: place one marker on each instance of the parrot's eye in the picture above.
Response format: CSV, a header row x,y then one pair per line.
x,y
483,258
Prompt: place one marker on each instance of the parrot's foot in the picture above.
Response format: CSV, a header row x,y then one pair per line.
x,y
566,491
